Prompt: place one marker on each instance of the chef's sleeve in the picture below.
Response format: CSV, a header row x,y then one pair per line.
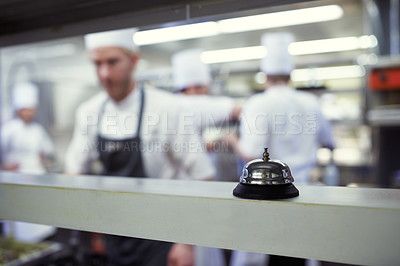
x,y
80,152
5,140
253,131
47,146
325,137
211,110
190,153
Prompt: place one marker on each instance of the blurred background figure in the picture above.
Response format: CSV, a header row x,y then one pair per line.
x,y
135,143
211,115
25,147
191,76
289,122
25,143
192,79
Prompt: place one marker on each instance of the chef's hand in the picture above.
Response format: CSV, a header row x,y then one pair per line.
x,y
181,255
236,111
213,145
10,166
231,140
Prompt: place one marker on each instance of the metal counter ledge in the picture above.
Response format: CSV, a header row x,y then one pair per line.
x,y
348,225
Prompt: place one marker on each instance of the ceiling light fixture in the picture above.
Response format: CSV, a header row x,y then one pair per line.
x,y
281,19
296,48
183,32
235,54
249,23
333,45
323,73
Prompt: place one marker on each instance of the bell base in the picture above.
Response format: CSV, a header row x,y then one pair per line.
x,y
265,192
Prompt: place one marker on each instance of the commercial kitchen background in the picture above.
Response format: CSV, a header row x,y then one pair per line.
x,y
365,121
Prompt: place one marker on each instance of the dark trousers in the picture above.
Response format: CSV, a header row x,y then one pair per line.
x,y
128,251
275,260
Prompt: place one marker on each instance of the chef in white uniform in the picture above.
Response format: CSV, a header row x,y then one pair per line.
x,y
25,145
192,79
289,122
134,131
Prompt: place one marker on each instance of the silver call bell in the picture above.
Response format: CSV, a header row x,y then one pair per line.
x,y
266,179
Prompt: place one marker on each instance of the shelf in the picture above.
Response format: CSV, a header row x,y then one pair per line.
x,y
347,225
384,117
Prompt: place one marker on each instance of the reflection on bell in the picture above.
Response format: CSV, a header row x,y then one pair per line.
x,y
266,179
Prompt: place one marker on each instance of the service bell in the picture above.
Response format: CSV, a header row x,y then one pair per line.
x,y
266,179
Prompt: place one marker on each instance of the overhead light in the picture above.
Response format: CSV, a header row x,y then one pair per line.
x,y
183,32
258,52
49,51
367,59
249,23
296,48
260,78
324,73
333,45
235,54
281,19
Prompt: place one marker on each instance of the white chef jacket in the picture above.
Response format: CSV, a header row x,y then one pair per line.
x,y
290,124
203,112
170,148
24,143
206,110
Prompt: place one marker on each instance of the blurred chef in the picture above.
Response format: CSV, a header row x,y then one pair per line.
x,y
25,145
192,78
289,122
134,132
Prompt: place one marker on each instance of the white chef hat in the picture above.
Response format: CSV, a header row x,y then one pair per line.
x,y
120,38
188,69
278,60
25,95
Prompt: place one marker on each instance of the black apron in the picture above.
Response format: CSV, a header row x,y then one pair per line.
x,y
124,158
